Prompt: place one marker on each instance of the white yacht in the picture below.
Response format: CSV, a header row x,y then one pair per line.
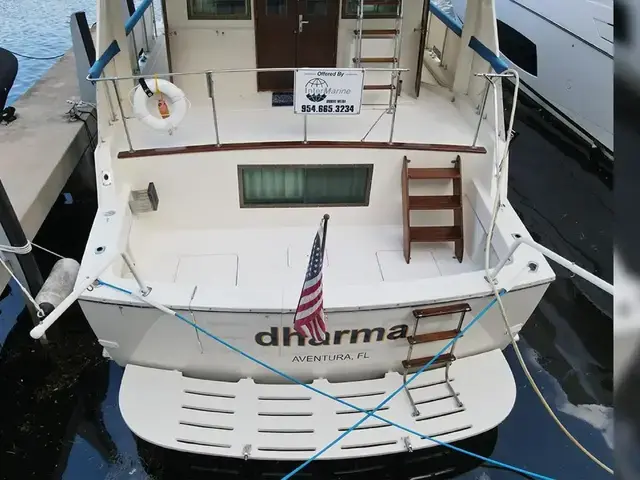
x,y
563,51
223,146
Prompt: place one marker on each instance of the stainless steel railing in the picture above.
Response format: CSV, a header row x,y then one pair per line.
x,y
209,76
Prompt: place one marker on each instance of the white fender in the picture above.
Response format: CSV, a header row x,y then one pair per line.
x,y
176,101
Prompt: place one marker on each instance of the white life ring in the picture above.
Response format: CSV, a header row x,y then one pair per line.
x,y
176,101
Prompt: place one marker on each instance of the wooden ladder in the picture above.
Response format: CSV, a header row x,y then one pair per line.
x,y
453,202
444,359
362,34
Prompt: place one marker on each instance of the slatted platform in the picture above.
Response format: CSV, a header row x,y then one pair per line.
x,y
289,422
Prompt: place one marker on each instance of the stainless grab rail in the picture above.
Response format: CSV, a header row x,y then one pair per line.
x,y
209,78
228,70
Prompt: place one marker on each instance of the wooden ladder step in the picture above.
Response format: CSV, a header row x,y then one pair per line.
x,y
379,31
379,87
376,59
435,234
432,337
419,362
435,202
441,310
432,173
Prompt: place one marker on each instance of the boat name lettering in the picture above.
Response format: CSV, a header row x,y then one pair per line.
x,y
329,357
273,338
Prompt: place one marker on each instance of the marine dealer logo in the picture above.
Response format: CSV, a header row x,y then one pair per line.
x,y
275,338
316,89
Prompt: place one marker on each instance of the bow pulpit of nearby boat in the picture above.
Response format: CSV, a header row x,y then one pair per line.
x,y
245,329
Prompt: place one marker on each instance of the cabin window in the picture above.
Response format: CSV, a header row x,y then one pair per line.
x,y
218,9
380,10
518,48
304,185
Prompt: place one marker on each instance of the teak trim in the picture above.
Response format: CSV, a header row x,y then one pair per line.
x,y
225,147
458,218
406,234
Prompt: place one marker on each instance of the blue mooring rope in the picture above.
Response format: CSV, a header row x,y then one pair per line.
x,y
369,413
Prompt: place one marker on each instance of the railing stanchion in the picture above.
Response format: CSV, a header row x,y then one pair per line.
x,y
153,19
144,289
428,31
395,107
482,106
145,31
110,100
136,65
124,120
305,128
444,45
212,95
393,86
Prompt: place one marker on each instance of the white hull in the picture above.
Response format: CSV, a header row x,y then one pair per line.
x,y
574,43
364,344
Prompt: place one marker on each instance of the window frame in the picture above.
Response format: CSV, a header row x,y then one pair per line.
x,y
346,15
367,194
204,16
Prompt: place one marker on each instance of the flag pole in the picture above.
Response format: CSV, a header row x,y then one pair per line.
x,y
324,235
325,218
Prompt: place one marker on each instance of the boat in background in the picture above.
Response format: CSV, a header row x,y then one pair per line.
x,y
218,156
563,52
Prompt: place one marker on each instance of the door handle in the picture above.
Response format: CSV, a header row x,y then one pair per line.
x,y
301,23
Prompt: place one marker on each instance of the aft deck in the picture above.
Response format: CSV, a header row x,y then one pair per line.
x,y
254,258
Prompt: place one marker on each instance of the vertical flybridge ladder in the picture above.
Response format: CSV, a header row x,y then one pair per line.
x,y
395,33
446,358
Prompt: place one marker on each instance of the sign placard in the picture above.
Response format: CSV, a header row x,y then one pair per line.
x,y
328,91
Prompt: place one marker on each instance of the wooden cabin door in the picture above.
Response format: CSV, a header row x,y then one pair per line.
x,y
275,25
317,33
294,33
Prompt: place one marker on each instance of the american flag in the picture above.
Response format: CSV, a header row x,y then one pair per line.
x,y
309,320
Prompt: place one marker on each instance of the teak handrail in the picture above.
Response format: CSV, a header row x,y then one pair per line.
x,y
212,147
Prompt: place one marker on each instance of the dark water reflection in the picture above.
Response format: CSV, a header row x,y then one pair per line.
x,y
59,416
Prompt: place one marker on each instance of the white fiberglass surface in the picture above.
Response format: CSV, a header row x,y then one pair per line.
x,y
257,257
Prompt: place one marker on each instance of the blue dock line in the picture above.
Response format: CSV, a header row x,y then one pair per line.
x,y
369,413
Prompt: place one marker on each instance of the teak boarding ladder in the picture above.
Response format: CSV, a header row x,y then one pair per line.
x,y
395,34
411,203
443,360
